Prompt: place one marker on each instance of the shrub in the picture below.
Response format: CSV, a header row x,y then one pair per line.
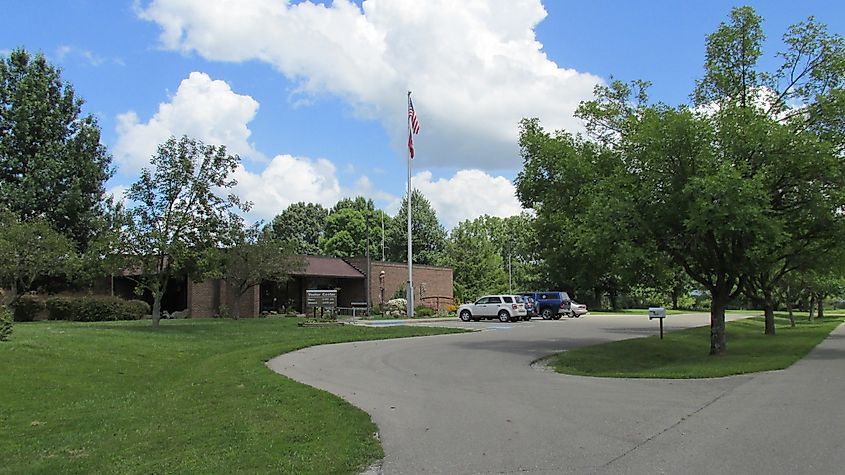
x,y
395,307
95,309
423,311
138,309
401,292
27,308
60,308
5,323
223,312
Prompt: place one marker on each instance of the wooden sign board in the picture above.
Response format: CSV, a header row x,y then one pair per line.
x,y
321,298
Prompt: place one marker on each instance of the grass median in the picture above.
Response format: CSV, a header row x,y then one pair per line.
x,y
191,397
684,353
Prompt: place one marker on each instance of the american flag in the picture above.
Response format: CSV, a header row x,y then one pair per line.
x,y
415,126
412,116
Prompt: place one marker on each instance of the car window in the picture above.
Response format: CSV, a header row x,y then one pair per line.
x,y
482,300
494,300
518,299
508,299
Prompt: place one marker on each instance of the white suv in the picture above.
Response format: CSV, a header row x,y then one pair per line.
x,y
504,307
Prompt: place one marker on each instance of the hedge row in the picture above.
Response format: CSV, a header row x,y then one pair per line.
x,y
27,308
95,309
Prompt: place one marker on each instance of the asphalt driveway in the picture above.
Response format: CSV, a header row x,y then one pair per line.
x,y
473,403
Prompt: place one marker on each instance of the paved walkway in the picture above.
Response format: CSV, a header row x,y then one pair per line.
x,y
472,403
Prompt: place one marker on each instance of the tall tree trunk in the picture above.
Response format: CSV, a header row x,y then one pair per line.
x,y
13,296
812,307
597,296
820,302
675,293
614,302
789,310
769,313
158,293
157,308
718,342
236,307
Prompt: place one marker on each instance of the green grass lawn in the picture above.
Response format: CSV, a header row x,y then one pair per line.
x,y
191,397
684,354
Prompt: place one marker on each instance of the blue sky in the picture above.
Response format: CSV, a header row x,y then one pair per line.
x,y
312,96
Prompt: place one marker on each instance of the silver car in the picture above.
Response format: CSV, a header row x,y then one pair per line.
x,y
577,309
504,307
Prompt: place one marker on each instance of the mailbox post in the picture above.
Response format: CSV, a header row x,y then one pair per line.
x,y
658,313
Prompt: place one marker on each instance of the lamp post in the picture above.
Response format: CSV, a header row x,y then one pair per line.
x,y
381,290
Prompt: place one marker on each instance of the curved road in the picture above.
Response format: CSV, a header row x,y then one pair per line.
x,y
472,403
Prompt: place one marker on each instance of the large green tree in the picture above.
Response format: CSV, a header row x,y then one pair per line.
x,y
301,225
748,180
476,260
429,236
586,232
31,250
490,254
177,216
350,225
253,256
52,165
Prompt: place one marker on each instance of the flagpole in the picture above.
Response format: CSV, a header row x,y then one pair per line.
x,y
410,291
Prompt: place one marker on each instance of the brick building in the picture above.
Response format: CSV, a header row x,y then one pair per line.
x,y
433,286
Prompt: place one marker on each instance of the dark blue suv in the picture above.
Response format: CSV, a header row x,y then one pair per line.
x,y
551,304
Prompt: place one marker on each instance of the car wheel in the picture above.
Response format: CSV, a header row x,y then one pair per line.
x,y
526,318
465,315
504,316
547,314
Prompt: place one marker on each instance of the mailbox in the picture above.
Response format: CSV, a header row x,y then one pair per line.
x,y
659,313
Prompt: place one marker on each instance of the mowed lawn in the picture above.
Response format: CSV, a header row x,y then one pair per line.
x,y
191,397
685,353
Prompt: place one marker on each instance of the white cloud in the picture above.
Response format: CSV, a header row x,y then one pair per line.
x,y
468,195
475,66
286,180
202,108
